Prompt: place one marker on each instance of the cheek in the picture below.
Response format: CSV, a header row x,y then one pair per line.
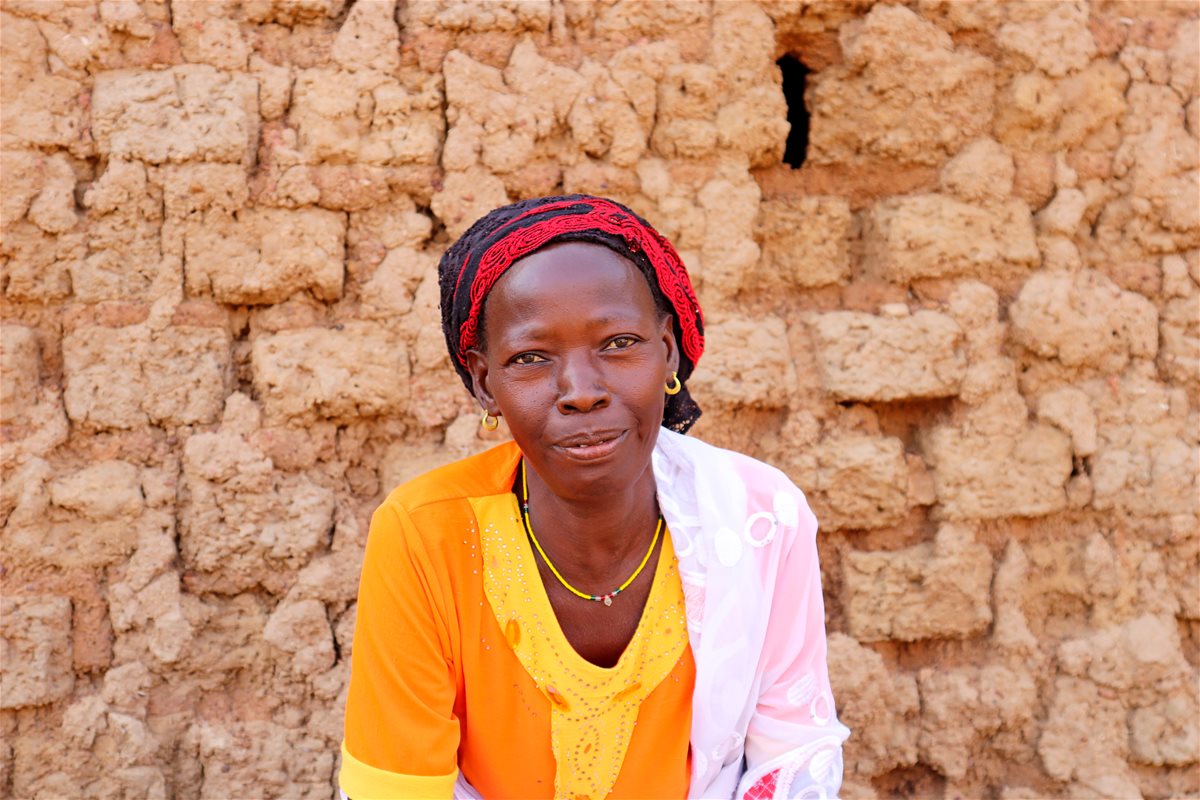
x,y
650,399
524,403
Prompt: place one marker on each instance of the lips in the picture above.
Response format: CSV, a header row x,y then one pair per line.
x,y
590,446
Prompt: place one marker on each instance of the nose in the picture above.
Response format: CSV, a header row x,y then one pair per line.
x,y
581,386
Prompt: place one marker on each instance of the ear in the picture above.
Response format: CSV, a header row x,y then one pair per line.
x,y
667,332
477,366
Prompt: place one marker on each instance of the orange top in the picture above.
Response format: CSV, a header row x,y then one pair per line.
x,y
459,663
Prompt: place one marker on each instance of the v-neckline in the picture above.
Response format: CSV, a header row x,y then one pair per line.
x,y
593,709
555,631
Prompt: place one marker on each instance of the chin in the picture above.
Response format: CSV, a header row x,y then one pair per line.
x,y
596,474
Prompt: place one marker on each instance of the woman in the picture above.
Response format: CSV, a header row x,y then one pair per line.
x,y
600,608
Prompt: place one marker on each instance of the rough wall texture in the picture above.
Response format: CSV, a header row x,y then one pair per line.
x,y
967,326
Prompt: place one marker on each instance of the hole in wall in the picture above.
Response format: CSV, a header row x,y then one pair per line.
x,y
795,78
919,780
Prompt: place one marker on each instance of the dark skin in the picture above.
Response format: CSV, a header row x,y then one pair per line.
x,y
576,360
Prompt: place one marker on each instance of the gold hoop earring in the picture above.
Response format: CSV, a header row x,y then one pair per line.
x,y
674,386
489,422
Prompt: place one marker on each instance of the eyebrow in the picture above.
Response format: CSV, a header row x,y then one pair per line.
x,y
534,329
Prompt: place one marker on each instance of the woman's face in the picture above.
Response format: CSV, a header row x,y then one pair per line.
x,y
576,360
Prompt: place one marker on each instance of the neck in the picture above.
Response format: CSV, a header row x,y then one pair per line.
x,y
593,539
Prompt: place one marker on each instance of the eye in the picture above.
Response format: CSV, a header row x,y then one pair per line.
x,y
527,358
621,342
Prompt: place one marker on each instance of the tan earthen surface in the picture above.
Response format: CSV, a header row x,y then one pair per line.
x,y
968,327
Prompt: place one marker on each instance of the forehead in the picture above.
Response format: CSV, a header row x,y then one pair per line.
x,y
572,274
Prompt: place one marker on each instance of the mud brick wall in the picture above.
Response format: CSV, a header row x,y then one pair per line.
x,y
964,317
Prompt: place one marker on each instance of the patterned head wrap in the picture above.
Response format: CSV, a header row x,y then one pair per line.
x,y
473,265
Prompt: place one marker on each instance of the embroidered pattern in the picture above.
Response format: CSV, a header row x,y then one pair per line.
x,y
593,709
763,788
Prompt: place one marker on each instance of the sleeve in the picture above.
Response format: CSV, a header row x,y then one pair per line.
x,y
401,734
794,740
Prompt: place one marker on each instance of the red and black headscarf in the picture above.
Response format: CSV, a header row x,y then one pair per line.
x,y
473,264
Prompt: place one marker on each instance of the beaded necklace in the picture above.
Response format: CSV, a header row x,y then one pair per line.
x,y
603,598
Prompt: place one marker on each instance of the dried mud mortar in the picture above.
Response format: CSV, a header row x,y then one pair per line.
x,y
968,327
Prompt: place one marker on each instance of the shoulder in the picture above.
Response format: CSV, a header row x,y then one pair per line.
x,y
746,466
757,489
481,475
704,457
417,518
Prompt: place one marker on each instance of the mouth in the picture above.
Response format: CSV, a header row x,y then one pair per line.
x,y
590,446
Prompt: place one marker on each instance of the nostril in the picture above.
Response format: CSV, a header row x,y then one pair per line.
x,y
583,399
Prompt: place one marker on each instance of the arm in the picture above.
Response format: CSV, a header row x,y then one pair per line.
x,y
401,735
794,741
